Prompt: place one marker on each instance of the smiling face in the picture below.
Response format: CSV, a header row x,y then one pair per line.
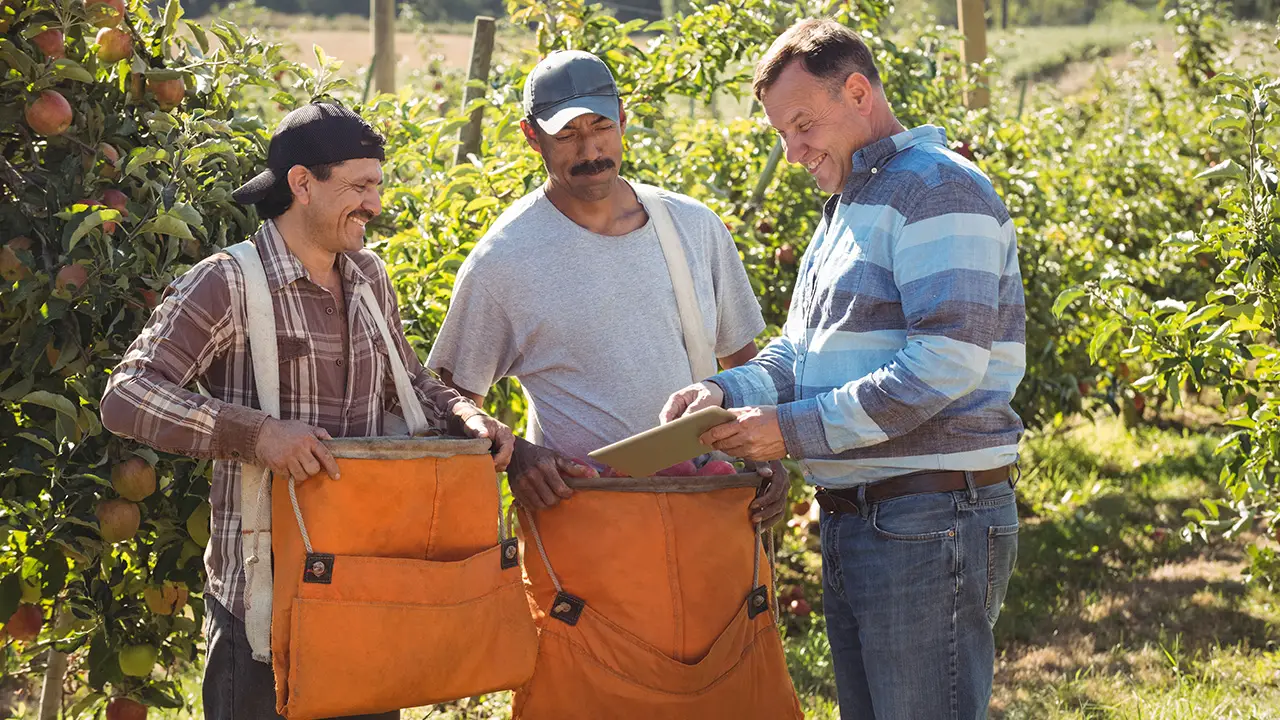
x,y
822,124
335,210
583,158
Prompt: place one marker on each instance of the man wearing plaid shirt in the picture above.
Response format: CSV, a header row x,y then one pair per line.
x,y
320,190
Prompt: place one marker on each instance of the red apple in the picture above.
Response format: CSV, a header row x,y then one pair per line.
x,y
105,13
72,278
115,200
118,519
800,606
718,467
134,479
114,45
50,114
785,255
25,623
150,297
112,157
51,43
11,268
169,93
1139,402
962,149
684,469
165,600
122,708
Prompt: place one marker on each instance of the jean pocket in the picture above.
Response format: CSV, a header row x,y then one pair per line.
x,y
1002,553
915,518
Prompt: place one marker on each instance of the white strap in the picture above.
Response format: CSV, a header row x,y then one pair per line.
x,y
255,482
702,356
409,404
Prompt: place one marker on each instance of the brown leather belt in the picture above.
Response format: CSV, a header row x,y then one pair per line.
x,y
850,500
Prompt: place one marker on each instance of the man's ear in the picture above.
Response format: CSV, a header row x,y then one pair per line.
x,y
859,92
300,180
530,135
622,117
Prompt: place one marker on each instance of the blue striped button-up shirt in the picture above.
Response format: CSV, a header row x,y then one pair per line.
x,y
906,336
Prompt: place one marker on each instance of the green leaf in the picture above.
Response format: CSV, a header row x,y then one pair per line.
x,y
39,441
70,70
1228,168
167,225
1231,79
1146,382
53,401
91,221
480,203
1101,335
172,12
1202,315
1067,297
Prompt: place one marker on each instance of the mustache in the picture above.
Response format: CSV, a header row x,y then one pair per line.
x,y
591,167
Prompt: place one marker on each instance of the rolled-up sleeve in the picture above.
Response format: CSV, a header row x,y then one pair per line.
x,y
146,397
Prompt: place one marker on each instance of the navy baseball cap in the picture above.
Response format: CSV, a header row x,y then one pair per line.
x,y
566,85
315,134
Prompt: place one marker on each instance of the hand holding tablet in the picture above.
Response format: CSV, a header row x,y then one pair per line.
x,y
645,453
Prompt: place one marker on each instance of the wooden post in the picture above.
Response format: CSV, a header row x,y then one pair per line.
x,y
1004,14
973,25
382,18
481,55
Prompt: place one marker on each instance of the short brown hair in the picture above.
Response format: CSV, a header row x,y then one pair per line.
x,y
826,49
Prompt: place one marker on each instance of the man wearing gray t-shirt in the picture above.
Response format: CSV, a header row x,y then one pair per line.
x,y
570,293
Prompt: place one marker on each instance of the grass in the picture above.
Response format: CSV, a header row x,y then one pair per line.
x,y
1039,53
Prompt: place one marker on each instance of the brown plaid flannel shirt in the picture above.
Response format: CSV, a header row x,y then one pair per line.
x,y
198,333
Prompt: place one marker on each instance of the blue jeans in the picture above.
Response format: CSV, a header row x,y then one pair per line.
x,y
912,588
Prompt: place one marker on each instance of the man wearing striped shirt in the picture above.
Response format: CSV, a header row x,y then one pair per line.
x,y
891,385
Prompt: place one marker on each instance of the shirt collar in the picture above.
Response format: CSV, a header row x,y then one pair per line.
x,y
283,267
870,159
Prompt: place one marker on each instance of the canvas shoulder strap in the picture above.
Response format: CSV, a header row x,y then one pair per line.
x,y
255,482
414,416
702,358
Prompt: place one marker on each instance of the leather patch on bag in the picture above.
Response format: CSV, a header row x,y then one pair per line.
x,y
757,601
510,549
291,348
567,608
318,568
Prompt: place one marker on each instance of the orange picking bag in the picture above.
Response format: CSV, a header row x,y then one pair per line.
x,y
395,586
651,606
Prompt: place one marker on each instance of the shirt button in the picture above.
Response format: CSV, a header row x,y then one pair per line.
x,y
235,453
875,170
339,361
328,311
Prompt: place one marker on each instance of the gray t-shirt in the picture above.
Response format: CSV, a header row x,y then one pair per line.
x,y
587,322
